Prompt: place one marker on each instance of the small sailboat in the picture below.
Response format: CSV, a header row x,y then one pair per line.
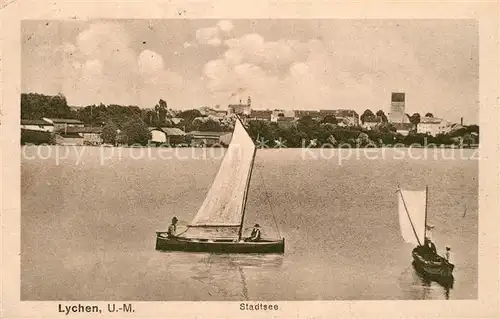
x,y
218,225
412,208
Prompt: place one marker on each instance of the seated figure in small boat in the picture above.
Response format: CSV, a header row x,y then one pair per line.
x,y
447,254
428,251
430,245
255,235
171,232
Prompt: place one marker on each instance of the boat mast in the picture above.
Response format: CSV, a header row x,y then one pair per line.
x,y
409,218
245,197
426,199
244,204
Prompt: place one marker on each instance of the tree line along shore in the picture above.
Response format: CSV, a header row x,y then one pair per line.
x,y
131,125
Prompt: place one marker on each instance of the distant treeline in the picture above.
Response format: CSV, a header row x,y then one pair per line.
x,y
121,124
129,125
308,132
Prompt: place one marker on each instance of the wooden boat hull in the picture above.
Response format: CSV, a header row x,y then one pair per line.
x,y
439,268
222,246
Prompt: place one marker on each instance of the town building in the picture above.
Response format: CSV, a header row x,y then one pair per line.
x,y
347,117
67,139
167,135
240,109
90,135
397,113
37,125
314,114
452,127
158,136
432,126
62,124
403,128
76,108
207,111
199,138
370,123
260,115
282,114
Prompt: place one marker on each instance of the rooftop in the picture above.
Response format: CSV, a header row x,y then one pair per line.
x,y
170,131
340,112
96,130
35,122
238,105
207,133
261,113
63,121
173,131
431,120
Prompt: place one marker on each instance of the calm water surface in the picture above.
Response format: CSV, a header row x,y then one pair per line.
x,y
88,228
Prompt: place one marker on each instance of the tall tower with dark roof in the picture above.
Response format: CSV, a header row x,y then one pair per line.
x,y
397,113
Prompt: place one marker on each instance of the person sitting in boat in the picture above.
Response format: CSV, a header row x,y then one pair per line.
x,y
171,232
428,250
428,229
431,246
447,254
255,235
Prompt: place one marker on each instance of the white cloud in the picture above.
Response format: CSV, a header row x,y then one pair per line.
x,y
102,66
212,35
216,69
282,73
225,25
214,41
299,69
92,68
251,43
347,64
311,74
104,41
234,56
68,48
150,62
253,48
208,36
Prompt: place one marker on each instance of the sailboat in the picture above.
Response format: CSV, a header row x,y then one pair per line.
x,y
218,225
412,208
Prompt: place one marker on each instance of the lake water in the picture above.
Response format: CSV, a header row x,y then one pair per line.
x,y
88,226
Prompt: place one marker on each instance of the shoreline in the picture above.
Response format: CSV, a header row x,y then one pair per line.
x,y
260,149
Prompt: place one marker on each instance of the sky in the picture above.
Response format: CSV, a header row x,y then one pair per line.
x,y
281,64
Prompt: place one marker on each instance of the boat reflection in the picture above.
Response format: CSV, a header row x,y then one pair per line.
x,y
270,261
446,283
224,276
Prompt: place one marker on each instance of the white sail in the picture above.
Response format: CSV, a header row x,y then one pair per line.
x,y
412,215
220,215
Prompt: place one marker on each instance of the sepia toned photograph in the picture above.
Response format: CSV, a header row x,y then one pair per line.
x,y
249,159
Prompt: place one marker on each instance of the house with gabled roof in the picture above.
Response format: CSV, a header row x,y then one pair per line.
x,y
37,125
206,138
167,135
61,124
432,126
